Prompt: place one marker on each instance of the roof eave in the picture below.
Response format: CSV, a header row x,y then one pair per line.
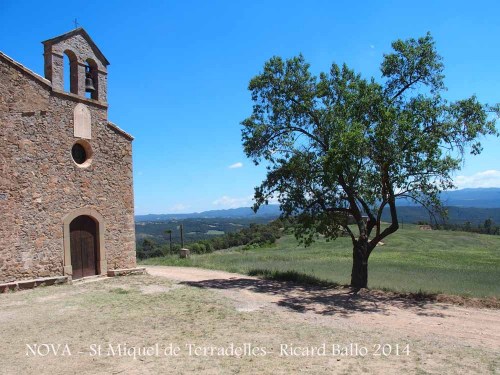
x,y
87,37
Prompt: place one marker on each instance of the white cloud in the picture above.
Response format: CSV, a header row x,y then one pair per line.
x,y
231,202
179,207
236,165
489,178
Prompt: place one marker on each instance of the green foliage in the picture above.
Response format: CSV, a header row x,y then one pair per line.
x,y
489,227
411,260
195,229
148,249
339,145
256,235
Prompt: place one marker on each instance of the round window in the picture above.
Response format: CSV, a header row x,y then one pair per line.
x,y
79,154
82,153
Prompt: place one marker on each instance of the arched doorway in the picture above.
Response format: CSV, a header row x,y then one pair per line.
x,y
84,244
99,228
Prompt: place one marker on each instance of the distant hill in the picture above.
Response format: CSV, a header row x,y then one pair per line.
x,y
270,211
479,198
474,205
456,215
485,197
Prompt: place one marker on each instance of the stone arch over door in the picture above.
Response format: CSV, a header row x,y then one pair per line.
x,y
100,228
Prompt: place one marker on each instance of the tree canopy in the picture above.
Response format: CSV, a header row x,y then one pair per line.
x,y
341,146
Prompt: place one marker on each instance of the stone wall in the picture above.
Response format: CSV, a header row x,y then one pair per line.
x,y
40,183
80,49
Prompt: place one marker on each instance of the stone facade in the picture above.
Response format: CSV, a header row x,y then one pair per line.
x,y
42,188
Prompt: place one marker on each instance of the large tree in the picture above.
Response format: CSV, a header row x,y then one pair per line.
x,y
342,148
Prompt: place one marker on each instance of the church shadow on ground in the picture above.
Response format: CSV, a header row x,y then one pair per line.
x,y
323,299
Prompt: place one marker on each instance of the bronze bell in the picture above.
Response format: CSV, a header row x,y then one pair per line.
x,y
89,83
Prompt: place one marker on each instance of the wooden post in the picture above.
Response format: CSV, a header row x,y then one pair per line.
x,y
182,238
184,253
169,232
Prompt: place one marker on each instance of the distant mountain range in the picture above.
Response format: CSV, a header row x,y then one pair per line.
x,y
270,211
477,198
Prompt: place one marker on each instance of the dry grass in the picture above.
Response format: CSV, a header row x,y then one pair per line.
x,y
141,311
412,260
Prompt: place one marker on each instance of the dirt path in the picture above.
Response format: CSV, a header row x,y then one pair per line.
x,y
367,310
295,329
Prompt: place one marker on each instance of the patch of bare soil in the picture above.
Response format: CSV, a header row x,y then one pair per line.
x,y
370,309
194,321
490,303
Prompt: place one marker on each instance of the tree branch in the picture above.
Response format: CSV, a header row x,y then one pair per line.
x,y
368,211
405,87
394,215
306,133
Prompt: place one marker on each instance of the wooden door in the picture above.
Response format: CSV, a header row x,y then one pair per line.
x,y
83,234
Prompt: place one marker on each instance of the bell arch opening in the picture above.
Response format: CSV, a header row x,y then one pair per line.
x,y
70,71
91,79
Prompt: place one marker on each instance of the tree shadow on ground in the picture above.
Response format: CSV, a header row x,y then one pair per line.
x,y
322,299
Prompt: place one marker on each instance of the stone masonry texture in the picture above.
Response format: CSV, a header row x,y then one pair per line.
x,y
40,183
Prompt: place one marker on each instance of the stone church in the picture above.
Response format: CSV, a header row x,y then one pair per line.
x,y
66,195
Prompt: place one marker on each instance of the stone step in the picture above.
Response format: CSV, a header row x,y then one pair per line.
x,y
33,283
127,271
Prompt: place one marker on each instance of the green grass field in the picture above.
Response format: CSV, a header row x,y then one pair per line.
x,y
412,260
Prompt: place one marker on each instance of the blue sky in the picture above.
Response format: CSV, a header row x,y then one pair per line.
x,y
180,69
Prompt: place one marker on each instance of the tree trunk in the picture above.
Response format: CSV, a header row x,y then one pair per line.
x,y
359,274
